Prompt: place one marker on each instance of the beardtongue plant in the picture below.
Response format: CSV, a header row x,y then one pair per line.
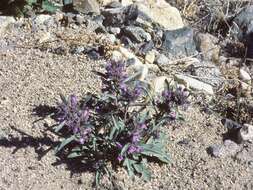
x,y
122,125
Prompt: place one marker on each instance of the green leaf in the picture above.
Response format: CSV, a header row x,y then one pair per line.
x,y
64,143
98,176
155,151
128,164
59,127
118,125
48,6
140,168
75,155
124,149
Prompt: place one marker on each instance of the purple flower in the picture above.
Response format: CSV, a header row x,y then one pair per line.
x,y
73,101
142,126
134,149
173,115
136,137
120,158
85,115
119,146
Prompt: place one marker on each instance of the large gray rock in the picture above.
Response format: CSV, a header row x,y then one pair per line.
x,y
179,42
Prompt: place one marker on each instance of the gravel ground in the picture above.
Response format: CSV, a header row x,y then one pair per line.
x,y
31,77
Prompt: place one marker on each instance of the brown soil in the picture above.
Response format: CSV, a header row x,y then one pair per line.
x,y
30,77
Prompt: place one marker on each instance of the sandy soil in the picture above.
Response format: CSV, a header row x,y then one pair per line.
x,y
31,77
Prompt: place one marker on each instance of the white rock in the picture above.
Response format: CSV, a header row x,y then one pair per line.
x,y
150,57
5,21
194,84
116,55
41,19
163,13
246,133
244,75
246,89
159,84
129,55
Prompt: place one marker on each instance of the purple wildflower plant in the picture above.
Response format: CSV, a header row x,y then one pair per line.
x,y
105,127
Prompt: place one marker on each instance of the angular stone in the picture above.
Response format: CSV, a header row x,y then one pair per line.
x,y
161,60
178,42
246,133
194,84
136,34
244,75
119,16
87,6
150,57
207,44
162,13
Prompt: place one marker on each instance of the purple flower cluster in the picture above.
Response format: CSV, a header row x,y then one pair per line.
x,y
130,94
75,118
116,71
172,98
135,139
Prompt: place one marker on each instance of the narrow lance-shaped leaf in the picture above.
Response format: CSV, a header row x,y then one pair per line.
x,y
65,142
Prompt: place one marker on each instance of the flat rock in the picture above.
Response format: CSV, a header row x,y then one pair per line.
x,y
5,21
194,84
162,13
228,148
178,42
86,6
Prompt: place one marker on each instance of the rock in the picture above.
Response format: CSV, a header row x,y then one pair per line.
x,y
228,148
109,38
159,84
150,57
243,23
114,30
162,13
136,34
126,54
178,42
246,89
79,19
120,16
246,133
207,72
207,44
244,75
161,59
246,155
194,84
86,6
5,21
43,21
